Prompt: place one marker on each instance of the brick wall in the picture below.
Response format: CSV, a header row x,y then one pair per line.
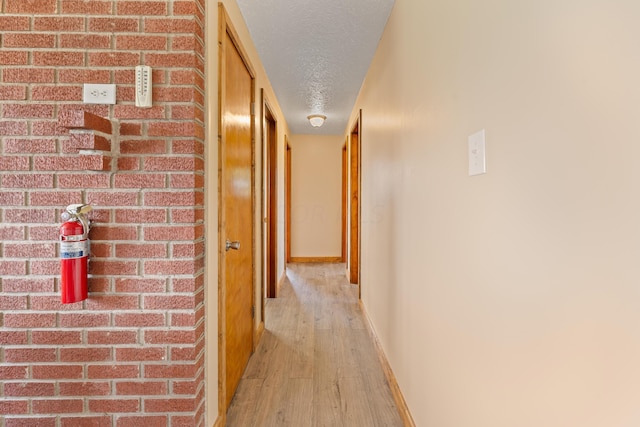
x,y
133,352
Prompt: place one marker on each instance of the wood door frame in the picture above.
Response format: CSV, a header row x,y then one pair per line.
x,y
355,195
345,200
269,133
287,200
225,27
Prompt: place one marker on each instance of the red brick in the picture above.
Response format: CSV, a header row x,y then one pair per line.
x,y
112,337
13,302
142,250
146,180
142,388
169,337
29,320
168,302
187,181
31,6
11,232
111,198
185,387
81,181
28,285
54,198
29,355
46,127
165,25
130,129
25,111
14,407
146,421
28,75
173,164
12,198
85,41
182,77
113,25
93,388
85,355
140,354
14,58
187,250
183,319
183,354
157,146
83,75
14,93
31,216
128,164
29,146
99,284
173,233
141,42
114,405
48,232
144,8
27,181
101,232
113,59
170,405
141,216
57,406
139,285
44,267
80,119
58,24
14,23
13,373
84,7
12,337
84,320
12,421
187,284
57,372
12,128
29,40
173,198
112,302
56,93
30,250
184,8
113,371
173,267
85,140
12,268
86,421
139,320
174,370
185,43
96,162
58,58
26,389
101,250
174,94
56,337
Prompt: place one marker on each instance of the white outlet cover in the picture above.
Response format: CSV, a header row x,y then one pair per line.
x,y
99,94
477,158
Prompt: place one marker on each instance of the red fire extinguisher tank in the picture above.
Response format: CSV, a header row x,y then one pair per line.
x,y
74,255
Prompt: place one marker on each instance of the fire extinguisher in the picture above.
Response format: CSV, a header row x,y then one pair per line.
x,y
74,253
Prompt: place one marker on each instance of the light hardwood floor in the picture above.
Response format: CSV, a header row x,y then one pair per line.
x,y
316,364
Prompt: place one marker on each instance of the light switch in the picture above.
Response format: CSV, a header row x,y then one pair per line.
x,y
477,164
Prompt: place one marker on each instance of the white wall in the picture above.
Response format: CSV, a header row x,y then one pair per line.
x,y
316,196
510,298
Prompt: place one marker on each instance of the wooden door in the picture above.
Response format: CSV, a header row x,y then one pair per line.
x,y
287,201
236,216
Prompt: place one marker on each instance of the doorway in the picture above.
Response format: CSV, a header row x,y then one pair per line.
x,y
354,198
236,211
269,133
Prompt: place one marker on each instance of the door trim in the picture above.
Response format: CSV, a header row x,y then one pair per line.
x,y
225,27
355,179
287,201
269,132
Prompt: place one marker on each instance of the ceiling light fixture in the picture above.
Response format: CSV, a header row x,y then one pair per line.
x,y
316,120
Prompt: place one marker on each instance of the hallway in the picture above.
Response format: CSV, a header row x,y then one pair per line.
x,y
316,364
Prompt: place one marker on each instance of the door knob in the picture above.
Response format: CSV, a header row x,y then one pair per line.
x,y
232,245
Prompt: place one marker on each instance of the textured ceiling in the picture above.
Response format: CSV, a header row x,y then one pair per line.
x,y
316,54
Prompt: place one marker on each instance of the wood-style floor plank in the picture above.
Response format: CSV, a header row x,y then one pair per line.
x,y
316,364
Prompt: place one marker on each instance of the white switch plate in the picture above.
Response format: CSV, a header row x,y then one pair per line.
x,y
477,161
99,94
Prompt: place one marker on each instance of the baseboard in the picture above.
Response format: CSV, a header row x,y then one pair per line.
x,y
405,414
220,422
331,259
258,335
281,281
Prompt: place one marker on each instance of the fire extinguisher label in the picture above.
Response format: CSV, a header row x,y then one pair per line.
x,y
69,250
